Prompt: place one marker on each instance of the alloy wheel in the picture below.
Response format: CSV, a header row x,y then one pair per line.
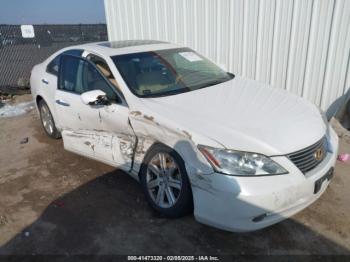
x,y
164,180
46,119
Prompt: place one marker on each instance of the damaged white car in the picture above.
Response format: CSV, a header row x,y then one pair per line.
x,y
241,154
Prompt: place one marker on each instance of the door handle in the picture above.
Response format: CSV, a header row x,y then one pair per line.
x,y
62,103
45,81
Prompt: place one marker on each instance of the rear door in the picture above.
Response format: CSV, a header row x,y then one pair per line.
x,y
95,131
48,81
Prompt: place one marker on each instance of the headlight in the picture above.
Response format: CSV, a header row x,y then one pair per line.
x,y
238,163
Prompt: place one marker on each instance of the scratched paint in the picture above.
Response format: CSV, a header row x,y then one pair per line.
x,y
135,113
151,130
100,144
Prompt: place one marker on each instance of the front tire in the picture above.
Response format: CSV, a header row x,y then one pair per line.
x,y
165,182
47,120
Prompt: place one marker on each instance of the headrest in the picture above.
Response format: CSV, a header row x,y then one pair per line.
x,y
104,70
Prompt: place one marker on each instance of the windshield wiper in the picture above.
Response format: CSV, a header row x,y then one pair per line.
x,y
167,93
213,83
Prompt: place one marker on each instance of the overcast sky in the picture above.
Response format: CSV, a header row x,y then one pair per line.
x,y
51,11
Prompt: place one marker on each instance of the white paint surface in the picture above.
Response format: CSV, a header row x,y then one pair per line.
x,y
302,46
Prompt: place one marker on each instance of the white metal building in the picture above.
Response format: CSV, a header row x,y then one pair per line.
x,y
300,45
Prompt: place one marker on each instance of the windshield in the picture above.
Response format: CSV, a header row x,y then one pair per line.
x,y
168,72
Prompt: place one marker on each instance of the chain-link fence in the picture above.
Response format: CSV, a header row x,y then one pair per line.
x,y
18,55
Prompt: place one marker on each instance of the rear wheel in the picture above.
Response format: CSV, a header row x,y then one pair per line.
x,y
47,120
165,182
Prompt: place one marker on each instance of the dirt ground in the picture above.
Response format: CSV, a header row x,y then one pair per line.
x,y
55,202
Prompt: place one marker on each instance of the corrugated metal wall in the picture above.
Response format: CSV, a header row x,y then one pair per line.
x,y
300,45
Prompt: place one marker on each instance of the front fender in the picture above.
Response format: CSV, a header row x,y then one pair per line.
x,y
150,130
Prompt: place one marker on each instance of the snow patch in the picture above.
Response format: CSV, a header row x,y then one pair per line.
x,y
11,110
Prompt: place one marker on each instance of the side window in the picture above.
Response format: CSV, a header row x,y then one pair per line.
x,y
79,76
69,74
54,66
93,80
104,69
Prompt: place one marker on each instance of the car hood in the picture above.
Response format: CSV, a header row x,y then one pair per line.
x,y
243,114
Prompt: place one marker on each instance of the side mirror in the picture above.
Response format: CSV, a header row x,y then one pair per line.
x,y
94,97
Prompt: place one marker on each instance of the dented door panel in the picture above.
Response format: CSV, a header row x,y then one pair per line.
x,y
73,114
99,132
77,122
115,124
80,142
110,148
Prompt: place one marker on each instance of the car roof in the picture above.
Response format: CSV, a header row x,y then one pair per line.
x,y
113,48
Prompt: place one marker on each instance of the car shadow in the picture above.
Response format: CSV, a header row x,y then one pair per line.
x,y
109,215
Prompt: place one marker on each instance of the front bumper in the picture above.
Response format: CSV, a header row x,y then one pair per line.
x,y
251,203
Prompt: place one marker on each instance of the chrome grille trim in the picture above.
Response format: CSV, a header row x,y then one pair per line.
x,y
305,160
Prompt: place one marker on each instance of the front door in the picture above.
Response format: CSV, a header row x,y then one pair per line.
x,y
95,131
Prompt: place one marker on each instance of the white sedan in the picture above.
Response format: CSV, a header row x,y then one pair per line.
x,y
240,154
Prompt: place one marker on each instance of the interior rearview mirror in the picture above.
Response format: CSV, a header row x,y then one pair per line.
x,y
94,97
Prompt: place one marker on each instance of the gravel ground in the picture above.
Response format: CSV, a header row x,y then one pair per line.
x,y
55,202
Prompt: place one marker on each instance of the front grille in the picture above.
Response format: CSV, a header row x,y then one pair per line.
x,y
308,158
